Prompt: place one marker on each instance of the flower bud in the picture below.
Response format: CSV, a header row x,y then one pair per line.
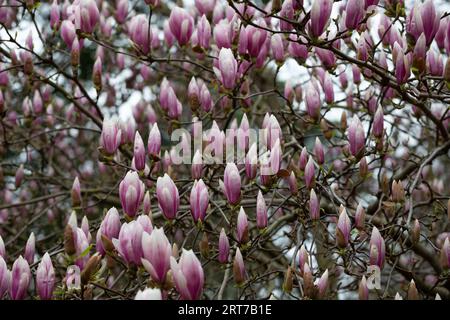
x,y
5,277
76,193
197,165
242,227
238,268
318,151
199,200
224,247
320,16
19,176
20,279
129,242
97,74
322,285
413,294
131,193
156,254
168,196
378,123
343,229
139,152
188,275
54,15
232,183
181,25
397,191
314,206
288,280
310,178
363,290
377,248
354,13
30,248
45,278
445,254
360,217
312,102
111,136
356,136
227,68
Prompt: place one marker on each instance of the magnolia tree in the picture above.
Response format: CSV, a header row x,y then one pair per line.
x,y
224,150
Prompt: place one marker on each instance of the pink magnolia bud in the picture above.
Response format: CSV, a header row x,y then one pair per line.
x,y
256,38
87,15
97,74
223,34
360,217
261,211
45,278
54,15
188,275
199,200
445,254
328,88
109,229
194,94
76,193
68,32
129,242
139,152
293,185
277,47
154,141
30,248
20,279
363,167
156,254
310,177
363,290
205,7
303,257
275,158
423,18
149,294
121,10
227,69
312,102
435,64
343,229
242,227
322,285
354,13
197,165
232,183
19,176
251,160
147,206
131,193
378,122
146,223
419,55
303,160
377,248
75,53
205,98
327,58
297,48
168,197
238,267
111,136
38,105
318,151
5,277
314,206
402,67
224,247
203,32
356,136
140,34
181,25
320,16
